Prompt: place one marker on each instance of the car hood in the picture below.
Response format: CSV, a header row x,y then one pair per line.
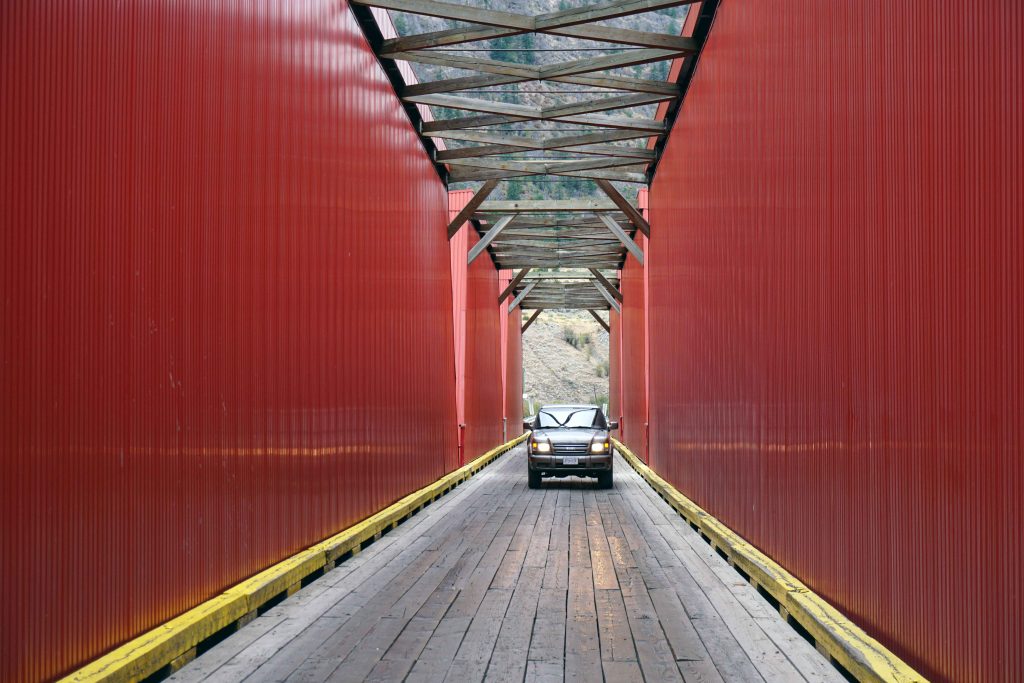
x,y
569,435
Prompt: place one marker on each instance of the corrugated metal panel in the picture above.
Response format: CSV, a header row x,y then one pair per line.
x,y
633,350
484,391
478,339
513,363
615,365
225,292
836,319
459,248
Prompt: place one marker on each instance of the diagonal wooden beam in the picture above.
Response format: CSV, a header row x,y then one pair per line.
x,y
598,150
526,111
522,295
552,165
457,84
634,215
489,66
610,9
513,284
447,10
545,22
488,237
606,34
606,62
528,142
545,205
612,289
471,206
649,126
471,172
621,83
623,36
530,321
599,319
608,297
617,230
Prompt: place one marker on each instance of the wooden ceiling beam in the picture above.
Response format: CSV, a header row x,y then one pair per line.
x,y
616,229
632,213
612,289
529,322
513,284
600,320
471,207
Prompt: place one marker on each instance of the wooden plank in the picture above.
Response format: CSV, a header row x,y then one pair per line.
x,y
488,237
582,643
461,83
547,640
602,10
445,10
529,322
471,206
608,297
546,205
522,295
616,639
623,36
606,283
617,230
600,320
607,62
538,143
512,648
513,284
474,653
633,214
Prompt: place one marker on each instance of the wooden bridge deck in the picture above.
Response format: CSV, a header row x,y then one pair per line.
x,y
499,582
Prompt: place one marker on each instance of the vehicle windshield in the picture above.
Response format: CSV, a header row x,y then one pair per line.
x,y
569,418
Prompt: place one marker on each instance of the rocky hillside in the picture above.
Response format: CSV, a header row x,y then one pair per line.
x,y
565,359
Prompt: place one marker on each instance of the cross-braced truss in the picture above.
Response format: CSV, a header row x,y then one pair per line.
x,y
588,121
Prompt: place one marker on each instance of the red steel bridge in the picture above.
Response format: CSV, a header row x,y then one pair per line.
x,y
264,293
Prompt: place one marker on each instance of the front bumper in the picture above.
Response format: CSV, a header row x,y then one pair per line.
x,y
554,465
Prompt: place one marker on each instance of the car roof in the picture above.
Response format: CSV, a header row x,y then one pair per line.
x,y
569,406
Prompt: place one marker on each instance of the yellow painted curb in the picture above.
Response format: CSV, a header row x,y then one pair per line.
x,y
842,640
174,641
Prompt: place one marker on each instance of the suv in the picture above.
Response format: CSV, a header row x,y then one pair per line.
x,y
570,441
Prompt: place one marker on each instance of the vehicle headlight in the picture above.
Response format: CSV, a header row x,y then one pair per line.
x,y
541,447
599,447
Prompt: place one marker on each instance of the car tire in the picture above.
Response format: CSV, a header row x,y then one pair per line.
x,y
604,480
533,479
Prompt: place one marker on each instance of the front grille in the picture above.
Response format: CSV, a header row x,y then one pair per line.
x,y
571,448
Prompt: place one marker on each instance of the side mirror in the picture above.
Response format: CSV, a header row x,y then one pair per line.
x,y
612,425
527,426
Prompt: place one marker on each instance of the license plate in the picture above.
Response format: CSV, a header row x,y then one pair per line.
x,y
570,461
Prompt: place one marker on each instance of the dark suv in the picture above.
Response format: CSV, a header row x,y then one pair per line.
x,y
570,441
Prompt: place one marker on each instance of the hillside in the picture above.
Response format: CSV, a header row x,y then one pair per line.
x,y
565,359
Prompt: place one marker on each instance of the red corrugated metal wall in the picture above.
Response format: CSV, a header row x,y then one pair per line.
x,y
459,248
615,366
513,375
478,339
226,313
633,341
836,317
484,391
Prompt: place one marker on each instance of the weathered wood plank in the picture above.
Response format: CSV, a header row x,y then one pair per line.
x,y
582,644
